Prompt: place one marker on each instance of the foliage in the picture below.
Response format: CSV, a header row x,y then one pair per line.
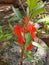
x,y
33,9
45,21
4,36
25,37
17,12
28,38
14,18
26,32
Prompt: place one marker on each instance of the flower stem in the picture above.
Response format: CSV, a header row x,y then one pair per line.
x,y
22,54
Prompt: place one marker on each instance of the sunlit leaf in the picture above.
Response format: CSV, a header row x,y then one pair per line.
x,y
43,20
28,2
27,11
32,3
38,6
39,45
37,12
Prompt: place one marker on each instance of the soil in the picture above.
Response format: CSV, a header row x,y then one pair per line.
x,y
12,55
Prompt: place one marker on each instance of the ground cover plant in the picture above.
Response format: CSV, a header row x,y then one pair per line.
x,y
25,30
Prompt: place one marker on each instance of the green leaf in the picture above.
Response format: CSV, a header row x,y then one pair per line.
x,y
6,37
47,27
1,30
38,6
28,2
29,57
27,11
1,36
38,9
17,12
29,52
28,38
39,45
32,3
11,27
13,19
37,12
16,43
43,20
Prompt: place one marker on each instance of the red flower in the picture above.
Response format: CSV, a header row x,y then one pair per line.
x,y
18,30
32,29
33,35
21,40
26,19
29,47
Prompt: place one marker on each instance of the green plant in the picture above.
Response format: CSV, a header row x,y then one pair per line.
x,y
33,9
4,36
25,37
26,31
45,21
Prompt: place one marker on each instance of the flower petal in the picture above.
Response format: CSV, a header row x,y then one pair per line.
x,y
18,30
30,28
29,47
21,40
33,35
26,19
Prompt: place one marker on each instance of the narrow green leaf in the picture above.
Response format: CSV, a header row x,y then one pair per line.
x,y
32,3
28,2
11,27
28,38
6,37
43,20
30,57
39,45
1,30
27,11
37,12
1,36
47,27
13,19
38,7
16,43
17,12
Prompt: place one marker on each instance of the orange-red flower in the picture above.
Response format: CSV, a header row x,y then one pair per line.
x,y
33,35
32,29
18,30
29,47
26,19
21,40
